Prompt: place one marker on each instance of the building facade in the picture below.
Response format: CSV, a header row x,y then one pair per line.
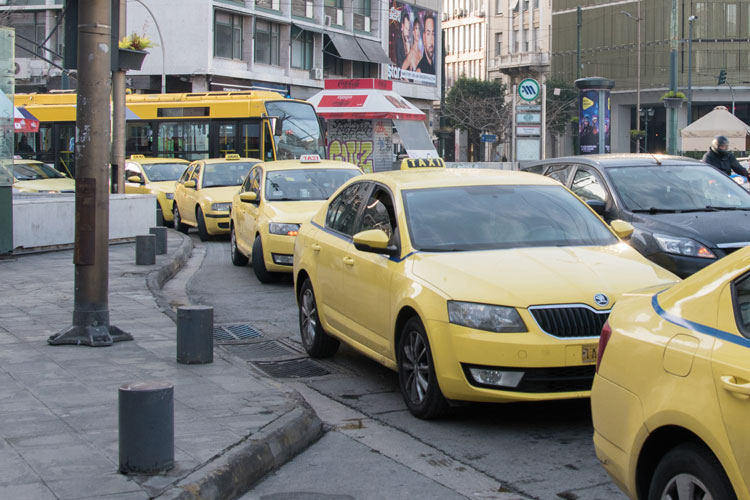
x,y
609,48
465,33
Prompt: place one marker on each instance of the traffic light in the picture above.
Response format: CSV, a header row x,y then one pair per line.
x,y
722,76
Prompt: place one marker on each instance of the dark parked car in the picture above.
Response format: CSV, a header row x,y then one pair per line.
x,y
686,214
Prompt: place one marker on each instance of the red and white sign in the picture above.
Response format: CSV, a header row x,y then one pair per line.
x,y
309,158
23,121
361,83
343,101
362,102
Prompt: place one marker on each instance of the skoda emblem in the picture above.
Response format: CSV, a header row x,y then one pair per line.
x,y
601,299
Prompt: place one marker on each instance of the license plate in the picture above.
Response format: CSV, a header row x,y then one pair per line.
x,y
588,353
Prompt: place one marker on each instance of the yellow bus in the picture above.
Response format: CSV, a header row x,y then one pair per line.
x,y
254,124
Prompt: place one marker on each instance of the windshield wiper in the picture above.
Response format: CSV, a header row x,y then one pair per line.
x,y
442,249
654,210
711,207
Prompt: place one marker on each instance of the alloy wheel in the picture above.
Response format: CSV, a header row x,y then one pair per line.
x,y
309,317
686,487
416,366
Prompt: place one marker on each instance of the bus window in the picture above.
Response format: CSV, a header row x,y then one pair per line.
x,y
250,140
268,144
45,152
299,131
227,137
139,138
66,143
183,139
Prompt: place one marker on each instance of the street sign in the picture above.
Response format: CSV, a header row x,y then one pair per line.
x,y
528,118
529,107
529,89
488,138
529,130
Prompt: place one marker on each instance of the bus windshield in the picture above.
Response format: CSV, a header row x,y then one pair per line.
x,y
158,172
300,130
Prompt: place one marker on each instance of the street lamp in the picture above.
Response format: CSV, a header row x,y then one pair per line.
x,y
646,114
690,69
637,19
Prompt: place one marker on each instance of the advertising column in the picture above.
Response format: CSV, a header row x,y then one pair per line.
x,y
594,115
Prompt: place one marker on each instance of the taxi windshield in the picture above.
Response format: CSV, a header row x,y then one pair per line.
x,y
226,173
498,217
158,172
307,184
34,172
300,130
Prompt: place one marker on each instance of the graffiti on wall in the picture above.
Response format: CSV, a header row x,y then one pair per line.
x,y
355,151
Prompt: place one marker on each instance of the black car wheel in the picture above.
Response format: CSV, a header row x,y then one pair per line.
x,y
689,472
259,264
178,224
201,221
316,341
238,259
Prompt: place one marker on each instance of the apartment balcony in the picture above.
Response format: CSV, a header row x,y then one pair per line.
x,y
512,63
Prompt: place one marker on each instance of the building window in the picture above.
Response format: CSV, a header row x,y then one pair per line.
x,y
302,48
31,32
335,10
732,21
525,4
302,8
267,42
227,35
361,15
332,65
498,44
364,70
536,4
267,4
498,7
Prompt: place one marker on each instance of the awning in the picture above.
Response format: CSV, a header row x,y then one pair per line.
x,y
363,104
374,51
306,27
347,47
23,121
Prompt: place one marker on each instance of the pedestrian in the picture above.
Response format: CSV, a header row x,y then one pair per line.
x,y
719,157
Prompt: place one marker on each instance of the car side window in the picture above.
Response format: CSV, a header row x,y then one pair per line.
x,y
251,181
588,186
255,183
560,173
131,169
187,173
196,174
379,212
742,304
343,211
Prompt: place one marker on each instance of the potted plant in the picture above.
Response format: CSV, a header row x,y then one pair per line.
x,y
132,51
637,134
673,99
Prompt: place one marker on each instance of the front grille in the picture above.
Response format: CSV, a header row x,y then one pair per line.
x,y
570,321
224,225
538,380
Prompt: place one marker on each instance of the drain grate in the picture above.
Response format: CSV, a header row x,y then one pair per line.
x,y
261,350
292,368
233,333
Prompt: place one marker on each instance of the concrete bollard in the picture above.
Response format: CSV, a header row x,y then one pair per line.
x,y
145,250
159,218
195,334
161,239
146,427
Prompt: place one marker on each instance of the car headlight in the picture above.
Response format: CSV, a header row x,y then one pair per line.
x,y
281,228
485,317
169,196
683,246
221,207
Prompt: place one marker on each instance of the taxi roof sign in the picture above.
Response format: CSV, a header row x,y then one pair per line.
x,y
137,157
232,156
410,163
309,158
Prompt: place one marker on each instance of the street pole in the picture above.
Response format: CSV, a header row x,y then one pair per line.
x,y
672,112
691,19
638,84
579,13
91,325
118,108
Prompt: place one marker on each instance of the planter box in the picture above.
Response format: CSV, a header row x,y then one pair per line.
x,y
673,102
131,59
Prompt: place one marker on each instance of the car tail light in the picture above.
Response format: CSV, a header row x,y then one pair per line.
x,y
603,340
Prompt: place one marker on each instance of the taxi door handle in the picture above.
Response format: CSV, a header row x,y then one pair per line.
x,y
348,261
316,248
741,391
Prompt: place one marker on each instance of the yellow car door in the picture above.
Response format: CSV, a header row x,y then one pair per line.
x,y
731,367
253,209
181,192
192,195
134,170
367,276
242,235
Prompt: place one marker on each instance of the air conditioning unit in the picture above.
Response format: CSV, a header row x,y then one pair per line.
x,y
38,67
308,9
456,13
327,21
463,12
340,17
316,73
23,69
478,13
445,16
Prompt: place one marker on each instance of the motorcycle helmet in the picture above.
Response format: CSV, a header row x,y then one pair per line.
x,y
719,141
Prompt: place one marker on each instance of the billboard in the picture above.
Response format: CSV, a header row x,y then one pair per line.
x,y
593,121
412,44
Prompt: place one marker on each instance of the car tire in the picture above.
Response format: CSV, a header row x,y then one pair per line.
x,y
201,221
178,224
416,373
694,465
238,259
259,264
316,341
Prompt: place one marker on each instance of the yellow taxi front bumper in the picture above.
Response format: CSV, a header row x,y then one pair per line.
x,y
278,252
552,368
167,207
217,222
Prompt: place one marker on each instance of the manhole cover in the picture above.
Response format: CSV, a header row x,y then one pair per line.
x,y
261,350
233,333
292,368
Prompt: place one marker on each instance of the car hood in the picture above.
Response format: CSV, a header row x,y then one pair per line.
x,y
536,276
294,212
46,185
710,228
163,186
223,194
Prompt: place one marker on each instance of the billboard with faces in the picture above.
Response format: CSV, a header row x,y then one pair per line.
x,y
412,43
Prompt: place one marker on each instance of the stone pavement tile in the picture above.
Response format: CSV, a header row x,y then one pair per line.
x,y
8,338
20,405
92,418
30,425
134,495
236,384
46,440
66,462
244,425
103,484
29,491
13,469
206,445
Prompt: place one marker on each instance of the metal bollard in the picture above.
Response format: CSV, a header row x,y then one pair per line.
x,y
159,217
195,334
161,239
146,427
145,250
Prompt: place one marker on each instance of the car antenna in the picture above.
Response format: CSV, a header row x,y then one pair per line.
x,y
658,162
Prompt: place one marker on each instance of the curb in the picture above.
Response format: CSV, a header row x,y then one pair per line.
x,y
234,473
156,279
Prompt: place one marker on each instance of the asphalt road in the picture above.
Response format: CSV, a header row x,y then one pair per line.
x,y
539,450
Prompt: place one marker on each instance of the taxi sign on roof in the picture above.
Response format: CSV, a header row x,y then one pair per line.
x,y
137,157
409,163
232,156
310,158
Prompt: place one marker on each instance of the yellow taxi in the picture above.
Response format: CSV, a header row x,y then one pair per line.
x,y
474,285
275,199
157,176
671,398
203,195
31,176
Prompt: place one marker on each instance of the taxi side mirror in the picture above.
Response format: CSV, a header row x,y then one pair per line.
x,y
190,184
622,229
249,197
136,179
374,241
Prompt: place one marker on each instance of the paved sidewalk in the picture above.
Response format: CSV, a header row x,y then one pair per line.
x,y
58,404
